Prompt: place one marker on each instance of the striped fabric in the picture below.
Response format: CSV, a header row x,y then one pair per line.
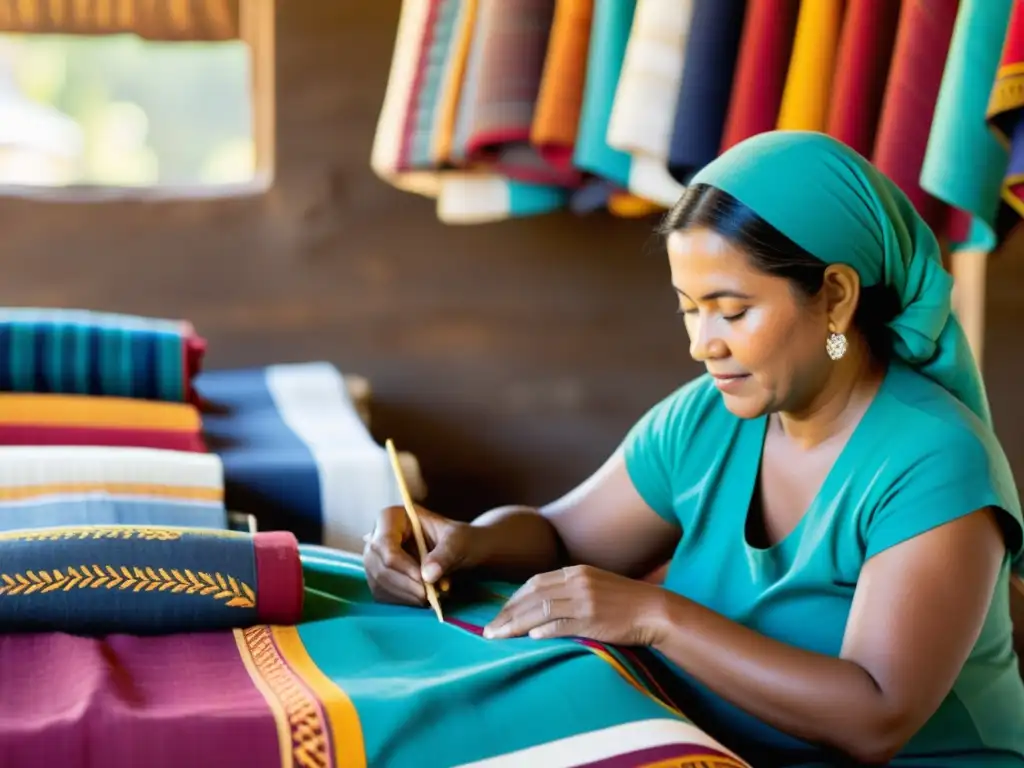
x,y
60,486
296,454
99,421
94,353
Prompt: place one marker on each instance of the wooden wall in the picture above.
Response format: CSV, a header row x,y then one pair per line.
x,y
511,358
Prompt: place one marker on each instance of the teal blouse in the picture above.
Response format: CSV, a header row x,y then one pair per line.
x,y
918,459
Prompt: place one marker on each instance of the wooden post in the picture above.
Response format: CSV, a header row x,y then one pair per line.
x,y
969,269
257,23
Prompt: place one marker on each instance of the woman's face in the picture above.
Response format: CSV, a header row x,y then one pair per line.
x,y
762,343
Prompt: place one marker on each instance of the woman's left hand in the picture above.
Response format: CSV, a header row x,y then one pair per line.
x,y
581,601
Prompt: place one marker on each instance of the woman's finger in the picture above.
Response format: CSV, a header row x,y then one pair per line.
x,y
530,614
397,585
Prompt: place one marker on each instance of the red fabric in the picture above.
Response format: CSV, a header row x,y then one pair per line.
x,y
919,57
862,65
279,583
765,48
129,437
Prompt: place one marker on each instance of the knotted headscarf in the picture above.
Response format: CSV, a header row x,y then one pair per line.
x,y
832,202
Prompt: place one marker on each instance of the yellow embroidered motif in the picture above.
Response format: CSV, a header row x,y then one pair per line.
x,y
216,586
62,534
305,721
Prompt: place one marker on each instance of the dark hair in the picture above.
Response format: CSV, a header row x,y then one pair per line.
x,y
773,253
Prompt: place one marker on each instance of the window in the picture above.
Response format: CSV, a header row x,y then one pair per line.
x,y
118,116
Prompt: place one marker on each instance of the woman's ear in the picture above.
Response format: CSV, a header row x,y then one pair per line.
x,y
842,294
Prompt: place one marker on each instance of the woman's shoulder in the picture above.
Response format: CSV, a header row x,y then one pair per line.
x,y
919,414
932,460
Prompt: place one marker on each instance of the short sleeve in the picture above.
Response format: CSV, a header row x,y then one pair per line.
x,y
653,448
952,478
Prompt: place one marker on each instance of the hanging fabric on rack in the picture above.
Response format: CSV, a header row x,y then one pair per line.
x,y
557,116
467,198
450,86
644,107
385,156
513,43
417,135
808,90
1006,108
964,162
706,85
862,66
924,31
609,36
765,50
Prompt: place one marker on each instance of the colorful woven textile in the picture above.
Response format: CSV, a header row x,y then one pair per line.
x,y
78,485
146,580
357,684
94,353
296,454
111,421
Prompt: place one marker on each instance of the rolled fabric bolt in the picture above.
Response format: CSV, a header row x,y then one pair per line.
x,y
97,580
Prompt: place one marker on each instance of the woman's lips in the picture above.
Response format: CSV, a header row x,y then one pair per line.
x,y
730,382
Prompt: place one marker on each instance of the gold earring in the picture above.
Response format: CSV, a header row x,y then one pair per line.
x,y
836,345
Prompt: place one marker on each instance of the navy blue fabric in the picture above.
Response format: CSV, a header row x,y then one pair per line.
x,y
269,471
102,580
711,52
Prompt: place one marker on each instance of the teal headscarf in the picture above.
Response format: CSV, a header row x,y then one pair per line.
x,y
831,201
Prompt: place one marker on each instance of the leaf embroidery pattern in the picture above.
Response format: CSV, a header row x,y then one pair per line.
x,y
233,592
83,534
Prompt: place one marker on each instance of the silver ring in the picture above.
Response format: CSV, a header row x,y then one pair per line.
x,y
546,607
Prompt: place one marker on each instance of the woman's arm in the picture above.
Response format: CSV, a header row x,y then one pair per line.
x,y
603,522
917,612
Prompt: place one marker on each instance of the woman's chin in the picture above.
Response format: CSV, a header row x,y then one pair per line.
x,y
744,406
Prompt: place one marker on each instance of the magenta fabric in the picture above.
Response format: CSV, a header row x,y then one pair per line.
x,y
279,581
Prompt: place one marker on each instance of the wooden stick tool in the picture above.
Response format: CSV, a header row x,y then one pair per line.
x,y
414,521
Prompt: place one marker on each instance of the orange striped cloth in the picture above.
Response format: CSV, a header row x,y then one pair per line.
x,y
43,419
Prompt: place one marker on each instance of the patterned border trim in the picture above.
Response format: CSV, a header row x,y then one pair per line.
x,y
234,592
296,709
146,533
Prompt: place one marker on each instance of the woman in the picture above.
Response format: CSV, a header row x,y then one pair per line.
x,y
840,519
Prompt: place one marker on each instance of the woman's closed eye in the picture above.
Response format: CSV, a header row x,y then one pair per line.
x,y
730,317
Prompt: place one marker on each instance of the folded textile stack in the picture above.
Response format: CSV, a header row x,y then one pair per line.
x,y
105,420
98,423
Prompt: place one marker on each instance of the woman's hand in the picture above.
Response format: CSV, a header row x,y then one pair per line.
x,y
581,601
395,576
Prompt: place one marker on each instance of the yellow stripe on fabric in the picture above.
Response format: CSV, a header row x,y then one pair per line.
x,y
284,737
631,679
451,85
346,730
184,493
808,89
98,412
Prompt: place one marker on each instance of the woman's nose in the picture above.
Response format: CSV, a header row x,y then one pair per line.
x,y
704,344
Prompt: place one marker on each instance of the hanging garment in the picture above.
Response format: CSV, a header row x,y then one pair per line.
x,y
1005,109
923,35
706,86
965,163
609,36
450,86
808,91
385,157
513,42
862,67
765,50
557,114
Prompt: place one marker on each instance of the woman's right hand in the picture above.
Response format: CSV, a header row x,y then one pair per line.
x,y
395,575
